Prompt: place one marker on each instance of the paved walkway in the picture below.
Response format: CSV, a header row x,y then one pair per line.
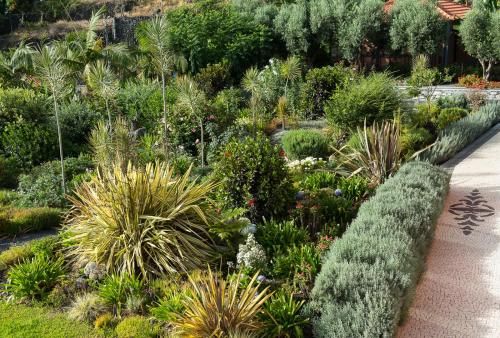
x,y
459,293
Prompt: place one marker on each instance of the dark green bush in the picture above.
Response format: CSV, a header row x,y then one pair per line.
x,y
77,120
214,78
9,172
29,143
253,175
319,86
415,138
277,237
142,103
20,104
368,276
459,134
302,143
448,115
42,185
372,98
210,32
33,279
17,221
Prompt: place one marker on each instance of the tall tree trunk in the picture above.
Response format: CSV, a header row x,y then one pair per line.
x,y
488,71
284,109
59,135
165,124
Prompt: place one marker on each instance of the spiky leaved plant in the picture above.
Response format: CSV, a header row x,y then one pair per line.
x,y
154,40
192,98
142,220
103,82
378,155
220,308
53,73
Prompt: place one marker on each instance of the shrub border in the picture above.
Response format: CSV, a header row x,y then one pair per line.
x,y
369,276
459,134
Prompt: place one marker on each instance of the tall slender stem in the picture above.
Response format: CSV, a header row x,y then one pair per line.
x,y
59,135
202,144
165,125
109,115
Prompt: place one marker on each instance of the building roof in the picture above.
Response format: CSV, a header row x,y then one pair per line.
x,y
448,9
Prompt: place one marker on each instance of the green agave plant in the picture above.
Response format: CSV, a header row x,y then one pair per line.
x,y
142,220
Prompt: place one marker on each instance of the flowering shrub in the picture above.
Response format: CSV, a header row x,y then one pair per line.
x,y
251,255
253,175
471,81
306,165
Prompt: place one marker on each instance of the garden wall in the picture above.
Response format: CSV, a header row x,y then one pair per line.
x,y
440,91
369,275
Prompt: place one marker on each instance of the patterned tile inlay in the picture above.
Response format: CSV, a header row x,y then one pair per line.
x,y
471,211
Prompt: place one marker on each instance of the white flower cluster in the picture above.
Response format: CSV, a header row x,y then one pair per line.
x,y
307,164
251,254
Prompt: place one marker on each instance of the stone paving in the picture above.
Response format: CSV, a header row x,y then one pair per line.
x,y
459,293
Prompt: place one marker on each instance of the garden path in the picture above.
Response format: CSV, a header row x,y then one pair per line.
x,y
6,243
459,293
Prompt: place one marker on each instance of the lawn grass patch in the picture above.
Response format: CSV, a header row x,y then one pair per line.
x,y
20,321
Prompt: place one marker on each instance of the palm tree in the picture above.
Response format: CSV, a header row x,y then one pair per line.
x,y
252,85
191,97
54,75
289,71
102,80
154,39
21,59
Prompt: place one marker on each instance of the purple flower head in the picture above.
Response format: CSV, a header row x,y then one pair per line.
x,y
261,278
338,192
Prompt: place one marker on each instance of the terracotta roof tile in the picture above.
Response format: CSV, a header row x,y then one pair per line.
x,y
448,9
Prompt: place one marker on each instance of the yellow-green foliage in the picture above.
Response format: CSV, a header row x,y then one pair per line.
x,y
15,221
368,276
220,308
135,327
143,221
103,321
14,255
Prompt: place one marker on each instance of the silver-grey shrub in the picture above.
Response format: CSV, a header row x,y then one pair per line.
x,y
457,135
369,275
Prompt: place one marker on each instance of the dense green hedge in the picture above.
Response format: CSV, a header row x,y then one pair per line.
x,y
368,276
459,134
301,143
17,221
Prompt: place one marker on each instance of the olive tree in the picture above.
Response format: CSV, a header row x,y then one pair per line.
x,y
416,27
479,32
345,26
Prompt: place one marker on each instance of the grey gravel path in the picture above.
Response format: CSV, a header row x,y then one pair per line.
x,y
6,243
459,293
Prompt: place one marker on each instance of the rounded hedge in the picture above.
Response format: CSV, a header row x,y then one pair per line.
x,y
135,327
299,144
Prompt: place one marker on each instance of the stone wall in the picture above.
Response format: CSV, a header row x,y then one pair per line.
x,y
440,91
